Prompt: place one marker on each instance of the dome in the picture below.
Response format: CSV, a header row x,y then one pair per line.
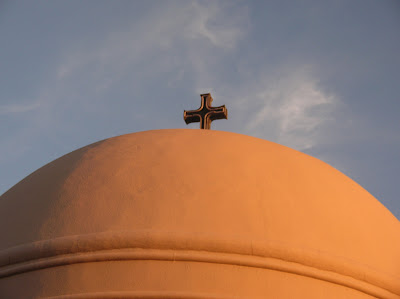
x,y
194,214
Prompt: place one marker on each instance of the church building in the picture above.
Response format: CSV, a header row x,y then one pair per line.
x,y
195,214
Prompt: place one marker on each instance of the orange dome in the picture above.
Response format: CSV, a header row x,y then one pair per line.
x,y
194,214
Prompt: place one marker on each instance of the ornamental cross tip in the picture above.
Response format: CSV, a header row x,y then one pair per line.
x,y
205,114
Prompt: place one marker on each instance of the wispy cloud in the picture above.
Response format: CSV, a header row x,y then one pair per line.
x,y
292,109
171,36
18,108
215,25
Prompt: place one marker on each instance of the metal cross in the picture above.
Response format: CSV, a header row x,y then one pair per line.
x,y
205,114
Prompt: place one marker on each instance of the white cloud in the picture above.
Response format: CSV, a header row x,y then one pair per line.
x,y
292,109
18,108
172,35
223,34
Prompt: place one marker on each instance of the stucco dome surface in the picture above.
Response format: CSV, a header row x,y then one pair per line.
x,y
186,213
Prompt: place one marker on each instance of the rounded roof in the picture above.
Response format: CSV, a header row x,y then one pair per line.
x,y
209,191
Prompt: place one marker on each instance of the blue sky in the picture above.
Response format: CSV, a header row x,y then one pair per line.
x,y
318,76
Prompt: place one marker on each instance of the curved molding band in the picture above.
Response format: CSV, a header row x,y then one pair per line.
x,y
163,246
139,295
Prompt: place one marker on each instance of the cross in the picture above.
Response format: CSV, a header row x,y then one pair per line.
x,y
205,114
